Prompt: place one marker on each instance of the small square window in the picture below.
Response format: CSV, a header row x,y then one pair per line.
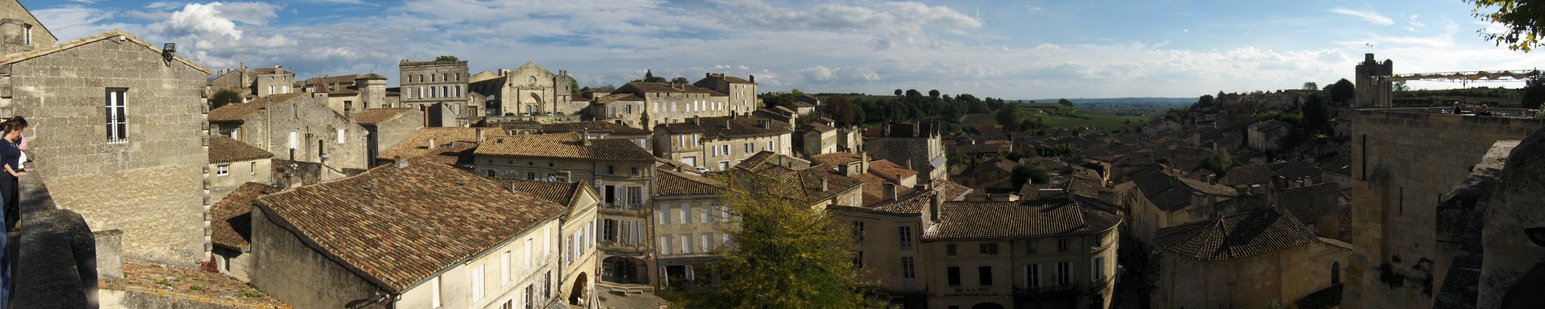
x,y
223,169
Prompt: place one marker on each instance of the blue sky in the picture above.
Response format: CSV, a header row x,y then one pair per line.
x,y
1008,49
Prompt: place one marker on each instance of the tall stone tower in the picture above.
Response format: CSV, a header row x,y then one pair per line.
x,y
1371,91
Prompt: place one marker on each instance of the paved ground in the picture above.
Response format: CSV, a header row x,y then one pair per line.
x,y
628,296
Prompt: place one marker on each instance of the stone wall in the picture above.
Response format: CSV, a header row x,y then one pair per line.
x,y
237,173
1403,161
1283,276
150,184
385,135
284,267
1515,206
313,125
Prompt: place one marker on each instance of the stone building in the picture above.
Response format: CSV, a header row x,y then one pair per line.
x,y
691,220
1404,160
272,81
1267,136
449,146
415,234
1254,259
817,139
1158,200
625,108
741,92
385,127
1047,252
150,138
351,94
21,32
233,163
618,169
717,143
578,255
1370,90
529,90
444,82
914,145
231,229
296,127
675,103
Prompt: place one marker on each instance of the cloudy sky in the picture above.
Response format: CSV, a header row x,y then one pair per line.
x,y
1008,49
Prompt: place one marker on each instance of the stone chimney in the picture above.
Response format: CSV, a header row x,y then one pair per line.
x,y
479,135
584,138
399,162
825,184
512,188
431,143
1212,179
753,79
890,191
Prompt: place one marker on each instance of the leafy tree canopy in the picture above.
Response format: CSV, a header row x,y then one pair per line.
x,y
1523,21
447,58
223,97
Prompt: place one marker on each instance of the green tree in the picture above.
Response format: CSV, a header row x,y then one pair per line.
x,y
1342,91
223,97
643,120
447,58
680,80
1026,173
1008,117
1219,161
1204,102
785,255
1523,21
1316,116
1311,86
898,92
933,93
650,78
840,110
1065,102
1534,91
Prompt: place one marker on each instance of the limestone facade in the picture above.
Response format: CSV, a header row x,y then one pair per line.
x,y
272,81
916,146
20,31
690,226
529,90
741,92
675,103
296,127
150,148
1403,161
429,83
718,143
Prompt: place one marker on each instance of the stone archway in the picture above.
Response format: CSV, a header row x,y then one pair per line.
x,y
577,294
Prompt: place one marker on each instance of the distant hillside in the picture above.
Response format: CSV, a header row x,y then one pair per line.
x,y
1118,100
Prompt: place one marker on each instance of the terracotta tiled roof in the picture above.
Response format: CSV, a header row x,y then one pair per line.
x,y
1247,175
1170,193
645,87
1237,236
231,219
835,158
1025,219
668,182
615,97
397,227
952,191
378,115
223,149
890,171
242,111
756,160
592,126
563,145
562,193
729,127
819,127
453,146
803,185
341,81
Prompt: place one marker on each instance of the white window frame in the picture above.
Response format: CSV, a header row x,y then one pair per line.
x,y
504,268
117,110
477,283
686,213
223,170
905,235
342,135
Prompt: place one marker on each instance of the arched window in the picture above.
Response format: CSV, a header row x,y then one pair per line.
x,y
1335,273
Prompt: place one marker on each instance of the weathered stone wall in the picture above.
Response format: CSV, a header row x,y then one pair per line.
x,y
290,271
925,155
1515,206
1403,161
388,133
150,186
314,125
1283,276
16,16
238,173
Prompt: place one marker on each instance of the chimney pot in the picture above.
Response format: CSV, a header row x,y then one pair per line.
x,y
825,185
431,143
890,190
399,162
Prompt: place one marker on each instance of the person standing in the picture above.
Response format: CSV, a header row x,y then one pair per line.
x,y
10,161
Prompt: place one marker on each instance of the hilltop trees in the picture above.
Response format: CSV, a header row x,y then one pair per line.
x,y
1524,21
1065,102
1316,116
1008,117
650,78
447,58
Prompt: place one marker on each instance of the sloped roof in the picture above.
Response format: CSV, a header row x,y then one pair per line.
x,y
668,182
379,115
889,171
563,193
397,227
803,185
836,158
224,149
1017,220
592,126
563,145
19,57
728,126
1237,236
618,97
242,111
647,87
453,145
231,218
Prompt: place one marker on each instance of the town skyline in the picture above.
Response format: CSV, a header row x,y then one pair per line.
x,y
1026,50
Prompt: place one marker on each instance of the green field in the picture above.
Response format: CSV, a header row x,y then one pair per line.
x,y
1059,117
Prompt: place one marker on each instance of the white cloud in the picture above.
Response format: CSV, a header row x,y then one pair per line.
x,y
74,21
1368,16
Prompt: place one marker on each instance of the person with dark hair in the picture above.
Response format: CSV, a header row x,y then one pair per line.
x,y
10,162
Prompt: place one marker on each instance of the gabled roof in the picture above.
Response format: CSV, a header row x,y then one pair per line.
x,y
18,57
669,182
728,126
224,149
453,145
1237,236
230,221
804,185
836,158
647,87
379,115
618,97
592,126
563,193
564,146
1018,220
242,111
398,227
